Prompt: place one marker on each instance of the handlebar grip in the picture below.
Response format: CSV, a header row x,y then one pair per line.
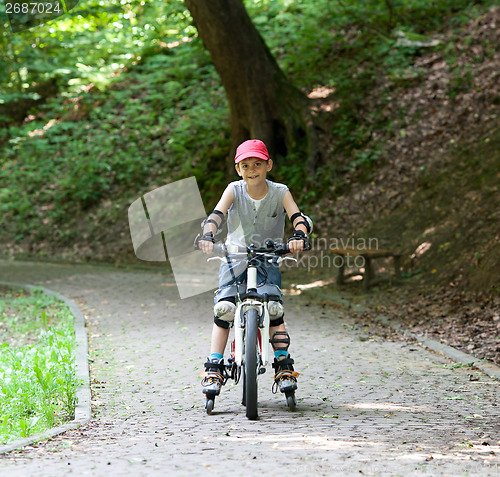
x,y
284,248
196,244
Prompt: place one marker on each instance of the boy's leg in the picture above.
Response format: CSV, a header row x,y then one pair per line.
x,y
273,329
285,377
223,317
214,375
219,339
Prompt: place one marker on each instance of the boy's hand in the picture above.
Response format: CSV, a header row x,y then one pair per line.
x,y
296,246
206,247
206,243
297,241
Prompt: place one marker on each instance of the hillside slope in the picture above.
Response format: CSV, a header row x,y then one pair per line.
x,y
439,174
435,196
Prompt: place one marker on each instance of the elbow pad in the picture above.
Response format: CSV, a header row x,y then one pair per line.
x,y
304,220
217,218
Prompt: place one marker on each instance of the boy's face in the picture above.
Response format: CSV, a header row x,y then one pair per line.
x,y
253,170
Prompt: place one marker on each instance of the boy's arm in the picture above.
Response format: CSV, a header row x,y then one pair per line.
x,y
215,219
293,213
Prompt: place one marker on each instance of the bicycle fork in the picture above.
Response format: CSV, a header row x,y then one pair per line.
x,y
239,330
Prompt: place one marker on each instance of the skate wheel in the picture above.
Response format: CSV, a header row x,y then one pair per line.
x,y
290,402
209,406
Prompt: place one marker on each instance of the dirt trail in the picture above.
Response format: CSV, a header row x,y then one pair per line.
x,y
366,406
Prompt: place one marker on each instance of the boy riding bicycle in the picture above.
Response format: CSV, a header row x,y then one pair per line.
x,y
255,209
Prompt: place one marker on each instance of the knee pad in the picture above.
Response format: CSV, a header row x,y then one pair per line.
x,y
224,311
276,310
280,341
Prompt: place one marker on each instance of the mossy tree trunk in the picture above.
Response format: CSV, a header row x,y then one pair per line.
x,y
263,103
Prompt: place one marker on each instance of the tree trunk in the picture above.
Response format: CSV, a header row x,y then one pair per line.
x,y
263,103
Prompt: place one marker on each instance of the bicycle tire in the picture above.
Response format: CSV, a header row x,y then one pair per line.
x,y
291,402
251,363
244,380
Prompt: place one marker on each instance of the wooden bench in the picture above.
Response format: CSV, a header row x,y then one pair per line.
x,y
368,256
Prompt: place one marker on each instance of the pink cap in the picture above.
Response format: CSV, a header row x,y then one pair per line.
x,y
251,148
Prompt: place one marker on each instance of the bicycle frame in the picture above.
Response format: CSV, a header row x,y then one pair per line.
x,y
239,322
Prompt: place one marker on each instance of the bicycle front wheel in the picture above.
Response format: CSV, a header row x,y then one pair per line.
x,y
251,363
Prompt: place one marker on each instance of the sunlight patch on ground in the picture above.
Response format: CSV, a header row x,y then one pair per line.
x,y
421,249
318,283
300,441
387,406
321,92
174,44
41,132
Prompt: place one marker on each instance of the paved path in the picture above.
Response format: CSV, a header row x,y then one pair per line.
x,y
366,406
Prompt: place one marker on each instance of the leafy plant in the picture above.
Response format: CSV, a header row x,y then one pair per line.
x,y
37,371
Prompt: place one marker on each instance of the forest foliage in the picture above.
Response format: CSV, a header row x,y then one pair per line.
x,y
119,97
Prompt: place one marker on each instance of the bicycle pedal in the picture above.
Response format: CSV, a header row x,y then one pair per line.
x,y
262,370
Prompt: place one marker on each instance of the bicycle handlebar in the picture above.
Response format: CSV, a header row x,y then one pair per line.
x,y
277,249
272,248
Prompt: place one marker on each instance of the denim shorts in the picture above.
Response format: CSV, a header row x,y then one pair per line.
x,y
268,280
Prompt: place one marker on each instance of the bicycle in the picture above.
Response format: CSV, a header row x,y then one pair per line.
x,y
250,347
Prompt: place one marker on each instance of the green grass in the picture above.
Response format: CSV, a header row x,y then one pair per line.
x,y
37,364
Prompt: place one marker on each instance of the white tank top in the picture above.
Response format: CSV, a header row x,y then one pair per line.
x,y
251,221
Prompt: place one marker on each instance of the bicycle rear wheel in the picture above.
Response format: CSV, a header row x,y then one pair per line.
x,y
251,363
